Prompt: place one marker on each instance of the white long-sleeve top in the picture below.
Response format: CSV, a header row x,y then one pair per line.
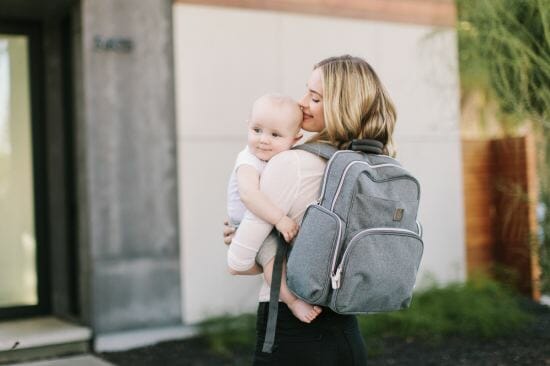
x,y
292,180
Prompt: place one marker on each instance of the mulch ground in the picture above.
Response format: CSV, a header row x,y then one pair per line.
x,y
527,347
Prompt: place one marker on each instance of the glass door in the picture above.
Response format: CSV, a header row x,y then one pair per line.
x,y
21,271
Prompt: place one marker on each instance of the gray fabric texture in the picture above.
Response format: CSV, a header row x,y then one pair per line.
x,y
310,278
382,269
359,249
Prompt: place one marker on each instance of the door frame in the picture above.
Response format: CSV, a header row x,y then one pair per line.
x,y
33,30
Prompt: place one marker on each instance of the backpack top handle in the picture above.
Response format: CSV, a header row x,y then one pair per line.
x,y
367,146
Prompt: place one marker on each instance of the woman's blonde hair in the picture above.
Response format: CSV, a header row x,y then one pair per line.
x,y
356,104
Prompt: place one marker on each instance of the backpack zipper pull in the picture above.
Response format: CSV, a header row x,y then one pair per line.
x,y
336,278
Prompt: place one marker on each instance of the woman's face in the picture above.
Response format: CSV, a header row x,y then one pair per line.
x,y
312,103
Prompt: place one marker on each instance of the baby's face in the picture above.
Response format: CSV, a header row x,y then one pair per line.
x,y
272,130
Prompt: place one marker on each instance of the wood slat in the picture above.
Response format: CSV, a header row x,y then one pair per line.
x,y
500,193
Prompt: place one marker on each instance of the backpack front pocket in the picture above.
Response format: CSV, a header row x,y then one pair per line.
x,y
378,271
308,273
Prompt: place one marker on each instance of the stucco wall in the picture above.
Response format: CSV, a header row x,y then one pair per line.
x,y
225,58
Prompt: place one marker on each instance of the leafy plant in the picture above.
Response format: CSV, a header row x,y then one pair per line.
x,y
504,47
478,308
227,333
504,51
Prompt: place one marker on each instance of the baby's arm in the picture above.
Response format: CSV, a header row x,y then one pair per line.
x,y
258,203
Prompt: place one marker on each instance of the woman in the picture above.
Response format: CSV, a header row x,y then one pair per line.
x,y
345,100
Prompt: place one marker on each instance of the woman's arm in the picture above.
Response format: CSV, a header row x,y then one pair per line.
x,y
279,182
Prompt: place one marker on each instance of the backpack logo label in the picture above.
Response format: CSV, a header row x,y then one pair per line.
x,y
398,215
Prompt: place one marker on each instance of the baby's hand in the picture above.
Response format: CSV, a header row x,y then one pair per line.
x,y
288,228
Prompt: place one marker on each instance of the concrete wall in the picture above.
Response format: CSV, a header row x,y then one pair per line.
x,y
227,57
127,166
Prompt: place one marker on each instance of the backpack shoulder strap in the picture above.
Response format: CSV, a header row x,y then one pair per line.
x,y
318,148
326,151
276,278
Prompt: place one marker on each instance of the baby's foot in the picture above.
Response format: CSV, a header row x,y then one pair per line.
x,y
304,311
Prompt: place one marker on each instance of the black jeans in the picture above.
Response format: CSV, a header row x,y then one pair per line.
x,y
330,340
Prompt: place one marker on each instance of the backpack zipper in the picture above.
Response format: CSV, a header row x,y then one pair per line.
x,y
326,175
336,276
324,186
338,238
419,226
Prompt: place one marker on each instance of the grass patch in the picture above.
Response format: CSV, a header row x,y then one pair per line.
x,y
227,333
479,308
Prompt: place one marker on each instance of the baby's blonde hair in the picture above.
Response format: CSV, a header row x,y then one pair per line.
x,y
356,104
282,103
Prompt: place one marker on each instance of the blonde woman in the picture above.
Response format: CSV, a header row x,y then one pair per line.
x,y
344,101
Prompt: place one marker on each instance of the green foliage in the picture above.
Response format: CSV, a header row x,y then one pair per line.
x,y
504,47
504,50
227,333
477,308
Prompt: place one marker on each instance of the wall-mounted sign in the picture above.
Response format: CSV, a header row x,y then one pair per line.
x,y
123,45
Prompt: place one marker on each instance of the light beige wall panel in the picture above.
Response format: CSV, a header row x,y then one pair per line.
x,y
208,289
309,39
434,163
261,51
225,58
417,64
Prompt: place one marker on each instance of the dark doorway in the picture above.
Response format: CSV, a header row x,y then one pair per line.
x,y
24,270
39,252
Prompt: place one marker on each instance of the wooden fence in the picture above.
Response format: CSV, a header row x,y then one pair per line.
x,y
500,196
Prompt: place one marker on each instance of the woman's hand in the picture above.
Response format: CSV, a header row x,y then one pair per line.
x,y
228,232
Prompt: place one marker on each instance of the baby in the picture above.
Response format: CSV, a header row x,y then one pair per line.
x,y
274,126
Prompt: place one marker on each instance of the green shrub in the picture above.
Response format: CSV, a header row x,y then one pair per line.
x,y
226,333
478,308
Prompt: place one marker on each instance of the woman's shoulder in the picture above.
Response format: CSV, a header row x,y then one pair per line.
x,y
296,158
284,157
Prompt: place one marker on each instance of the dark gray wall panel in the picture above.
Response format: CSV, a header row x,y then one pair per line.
x,y
128,127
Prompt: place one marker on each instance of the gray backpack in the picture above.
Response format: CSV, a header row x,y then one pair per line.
x,y
359,246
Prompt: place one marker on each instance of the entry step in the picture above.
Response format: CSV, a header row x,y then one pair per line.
x,y
86,360
41,337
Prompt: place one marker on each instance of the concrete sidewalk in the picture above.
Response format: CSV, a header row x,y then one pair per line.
x,y
81,360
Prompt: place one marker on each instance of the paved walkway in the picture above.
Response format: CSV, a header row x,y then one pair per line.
x,y
86,360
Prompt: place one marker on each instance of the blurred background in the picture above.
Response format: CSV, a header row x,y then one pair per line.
x,y
120,121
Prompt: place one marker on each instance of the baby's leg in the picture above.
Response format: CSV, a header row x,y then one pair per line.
x,y
301,309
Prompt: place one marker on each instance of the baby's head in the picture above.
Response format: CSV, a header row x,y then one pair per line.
x,y
274,125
